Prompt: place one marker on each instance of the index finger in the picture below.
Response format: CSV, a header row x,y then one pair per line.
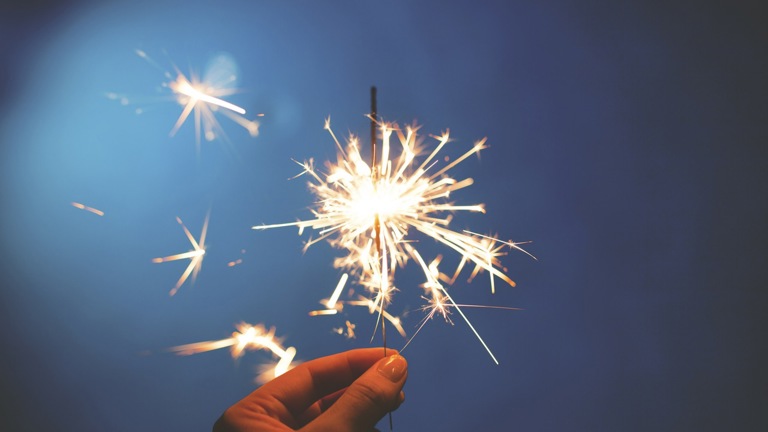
x,y
309,382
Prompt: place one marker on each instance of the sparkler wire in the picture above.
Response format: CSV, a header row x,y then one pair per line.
x,y
377,228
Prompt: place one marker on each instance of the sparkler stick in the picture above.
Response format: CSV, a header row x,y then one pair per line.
x,y
377,228
195,256
377,225
248,337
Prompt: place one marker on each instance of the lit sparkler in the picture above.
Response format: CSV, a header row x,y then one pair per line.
x,y
248,337
368,210
195,256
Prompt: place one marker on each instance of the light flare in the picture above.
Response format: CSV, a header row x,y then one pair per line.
x,y
247,338
202,98
370,211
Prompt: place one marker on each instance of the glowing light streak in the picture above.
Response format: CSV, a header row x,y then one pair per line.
x,y
373,306
88,209
337,292
248,337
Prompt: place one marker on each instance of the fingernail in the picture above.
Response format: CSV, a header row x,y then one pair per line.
x,y
393,368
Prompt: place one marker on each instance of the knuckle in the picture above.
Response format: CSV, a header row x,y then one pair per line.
x,y
367,393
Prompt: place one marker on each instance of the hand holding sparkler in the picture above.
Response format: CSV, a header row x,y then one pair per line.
x,y
349,391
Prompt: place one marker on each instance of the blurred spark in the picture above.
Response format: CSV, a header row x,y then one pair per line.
x,y
195,256
88,209
348,331
248,337
202,98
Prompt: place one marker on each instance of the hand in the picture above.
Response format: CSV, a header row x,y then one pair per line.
x,y
345,392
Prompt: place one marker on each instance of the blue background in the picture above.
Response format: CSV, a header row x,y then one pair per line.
x,y
627,142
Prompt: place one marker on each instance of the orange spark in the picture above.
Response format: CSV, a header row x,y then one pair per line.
x,y
88,209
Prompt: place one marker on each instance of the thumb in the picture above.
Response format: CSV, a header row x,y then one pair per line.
x,y
368,399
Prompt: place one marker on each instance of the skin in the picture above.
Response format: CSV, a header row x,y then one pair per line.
x,y
346,392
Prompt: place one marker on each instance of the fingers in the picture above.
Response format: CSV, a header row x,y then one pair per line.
x,y
368,399
292,393
319,407
305,392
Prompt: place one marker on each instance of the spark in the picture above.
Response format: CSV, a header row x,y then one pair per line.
x,y
348,332
248,337
195,256
385,201
334,306
336,292
88,209
203,98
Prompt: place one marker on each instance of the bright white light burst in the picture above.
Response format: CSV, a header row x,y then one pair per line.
x,y
202,98
355,200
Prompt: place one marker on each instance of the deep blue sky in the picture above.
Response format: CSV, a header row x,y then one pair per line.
x,y
627,142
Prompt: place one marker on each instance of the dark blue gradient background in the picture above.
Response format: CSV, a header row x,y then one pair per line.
x,y
627,142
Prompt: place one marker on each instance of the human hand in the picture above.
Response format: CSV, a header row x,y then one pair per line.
x,y
345,392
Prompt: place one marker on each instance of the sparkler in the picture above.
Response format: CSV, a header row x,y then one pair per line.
x,y
248,337
203,98
370,210
195,256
